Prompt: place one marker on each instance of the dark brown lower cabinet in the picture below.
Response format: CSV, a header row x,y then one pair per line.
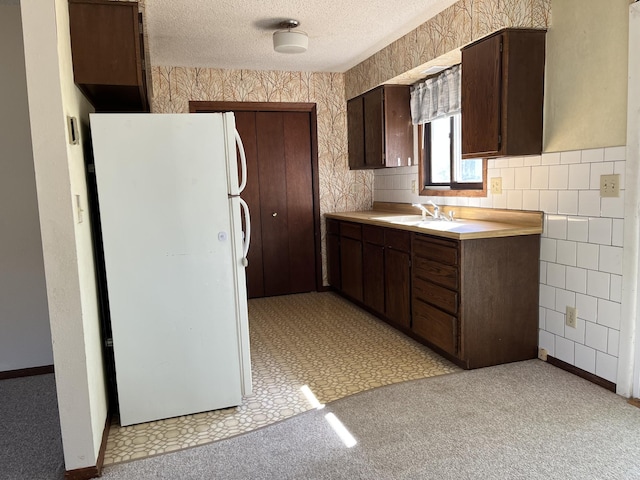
x,y
373,274
351,259
397,263
475,301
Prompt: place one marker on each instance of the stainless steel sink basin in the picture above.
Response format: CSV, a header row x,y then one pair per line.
x,y
427,223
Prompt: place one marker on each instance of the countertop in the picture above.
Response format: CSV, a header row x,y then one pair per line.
x,y
469,223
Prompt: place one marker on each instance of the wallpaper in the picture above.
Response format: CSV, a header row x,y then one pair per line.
x,y
454,27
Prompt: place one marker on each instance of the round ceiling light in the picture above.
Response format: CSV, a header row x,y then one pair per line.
x,y
288,41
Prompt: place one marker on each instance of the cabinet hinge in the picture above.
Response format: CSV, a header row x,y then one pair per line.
x,y
108,342
91,168
501,46
499,140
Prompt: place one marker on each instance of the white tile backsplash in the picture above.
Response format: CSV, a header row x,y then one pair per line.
x,y
593,155
551,158
588,255
585,358
523,178
576,280
579,176
568,202
600,231
555,322
556,275
566,252
609,313
606,366
587,307
610,259
598,169
598,284
576,334
570,157
578,229
589,203
581,246
596,336
558,177
540,177
565,350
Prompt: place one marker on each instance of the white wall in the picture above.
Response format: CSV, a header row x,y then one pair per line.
x,y
586,58
25,338
68,258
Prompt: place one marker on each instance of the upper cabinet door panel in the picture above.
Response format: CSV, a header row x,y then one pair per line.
x,y
374,128
503,94
355,129
481,97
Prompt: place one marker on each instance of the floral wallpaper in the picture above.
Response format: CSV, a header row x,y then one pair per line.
x,y
454,27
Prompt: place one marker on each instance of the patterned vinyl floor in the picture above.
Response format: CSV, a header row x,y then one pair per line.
x,y
315,339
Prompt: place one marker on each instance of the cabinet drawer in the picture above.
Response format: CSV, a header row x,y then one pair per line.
x,y
436,295
398,240
445,275
333,226
373,234
440,251
351,230
435,326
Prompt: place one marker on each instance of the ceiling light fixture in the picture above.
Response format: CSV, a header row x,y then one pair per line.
x,y
288,41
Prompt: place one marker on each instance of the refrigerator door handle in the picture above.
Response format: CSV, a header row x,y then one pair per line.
x,y
247,233
243,163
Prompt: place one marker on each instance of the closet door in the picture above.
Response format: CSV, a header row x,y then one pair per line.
x,y
286,202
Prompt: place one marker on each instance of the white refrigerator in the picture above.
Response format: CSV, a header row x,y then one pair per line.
x,y
168,191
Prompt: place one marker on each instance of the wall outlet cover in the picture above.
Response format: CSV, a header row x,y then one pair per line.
x,y
542,353
571,319
496,185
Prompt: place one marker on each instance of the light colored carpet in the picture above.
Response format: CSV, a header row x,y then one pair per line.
x,y
527,420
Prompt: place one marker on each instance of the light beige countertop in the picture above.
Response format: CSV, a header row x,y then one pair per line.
x,y
469,223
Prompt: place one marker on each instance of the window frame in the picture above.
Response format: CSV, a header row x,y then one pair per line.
x,y
427,188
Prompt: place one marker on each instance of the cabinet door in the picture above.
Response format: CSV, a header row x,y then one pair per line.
x,y
355,129
351,267
333,253
374,128
373,276
397,286
398,129
481,97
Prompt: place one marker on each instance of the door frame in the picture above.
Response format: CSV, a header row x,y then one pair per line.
x,y
310,108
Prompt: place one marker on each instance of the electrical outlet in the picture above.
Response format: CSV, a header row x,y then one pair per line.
x,y
414,188
542,353
610,185
496,185
571,318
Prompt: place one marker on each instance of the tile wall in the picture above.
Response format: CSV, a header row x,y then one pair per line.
x,y
581,247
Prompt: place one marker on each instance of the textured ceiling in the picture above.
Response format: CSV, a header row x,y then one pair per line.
x,y
237,34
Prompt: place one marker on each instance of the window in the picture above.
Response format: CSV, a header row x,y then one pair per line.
x,y
442,169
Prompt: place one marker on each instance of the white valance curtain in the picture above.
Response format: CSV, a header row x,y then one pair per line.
x,y
436,97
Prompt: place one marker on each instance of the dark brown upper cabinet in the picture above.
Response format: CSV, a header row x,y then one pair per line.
x,y
502,94
380,132
108,54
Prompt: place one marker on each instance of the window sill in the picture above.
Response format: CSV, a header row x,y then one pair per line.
x,y
448,192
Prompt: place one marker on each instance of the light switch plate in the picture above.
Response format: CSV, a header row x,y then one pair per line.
x,y
610,185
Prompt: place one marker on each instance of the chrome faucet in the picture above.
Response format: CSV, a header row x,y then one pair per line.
x,y
436,210
425,211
